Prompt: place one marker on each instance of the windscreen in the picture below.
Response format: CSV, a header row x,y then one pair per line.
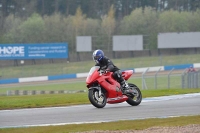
x,y
92,70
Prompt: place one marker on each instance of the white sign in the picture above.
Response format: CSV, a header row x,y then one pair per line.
x,y
12,50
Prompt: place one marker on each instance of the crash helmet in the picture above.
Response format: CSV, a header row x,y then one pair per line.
x,y
98,55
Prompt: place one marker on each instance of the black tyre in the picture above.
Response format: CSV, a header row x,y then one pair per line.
x,y
95,99
135,98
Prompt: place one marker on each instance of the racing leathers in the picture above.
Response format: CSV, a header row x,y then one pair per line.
x,y
107,65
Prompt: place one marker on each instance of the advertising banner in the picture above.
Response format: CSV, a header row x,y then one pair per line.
x,y
33,51
128,43
83,43
179,40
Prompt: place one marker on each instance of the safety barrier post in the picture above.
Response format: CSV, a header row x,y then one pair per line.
x,y
169,77
183,79
143,79
155,81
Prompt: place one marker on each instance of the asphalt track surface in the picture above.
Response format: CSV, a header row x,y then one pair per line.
x,y
157,107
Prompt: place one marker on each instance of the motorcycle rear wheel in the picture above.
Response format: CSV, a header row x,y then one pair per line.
x,y
136,98
95,99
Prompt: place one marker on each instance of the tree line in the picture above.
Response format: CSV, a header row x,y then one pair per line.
x,y
93,8
46,21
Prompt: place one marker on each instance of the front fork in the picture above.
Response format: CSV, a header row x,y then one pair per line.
x,y
97,94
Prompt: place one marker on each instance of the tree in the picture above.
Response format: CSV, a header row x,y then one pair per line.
x,y
11,24
53,28
193,20
173,21
141,22
108,25
78,24
133,23
30,31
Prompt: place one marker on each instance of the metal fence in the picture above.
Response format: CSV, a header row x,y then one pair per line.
x,y
191,79
170,79
162,79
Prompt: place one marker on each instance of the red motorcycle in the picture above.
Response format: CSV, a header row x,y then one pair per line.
x,y
103,88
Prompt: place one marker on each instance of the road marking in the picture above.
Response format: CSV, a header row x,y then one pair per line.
x,y
172,97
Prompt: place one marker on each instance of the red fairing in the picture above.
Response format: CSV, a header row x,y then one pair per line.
x,y
111,85
106,81
127,74
103,88
92,75
118,99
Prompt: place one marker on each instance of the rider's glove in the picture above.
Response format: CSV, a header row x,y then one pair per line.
x,y
102,72
106,71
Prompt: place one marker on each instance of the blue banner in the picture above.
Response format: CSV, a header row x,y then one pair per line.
x,y
33,51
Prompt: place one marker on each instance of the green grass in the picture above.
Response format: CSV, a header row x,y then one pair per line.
x,y
111,126
11,102
49,100
77,67
62,86
162,83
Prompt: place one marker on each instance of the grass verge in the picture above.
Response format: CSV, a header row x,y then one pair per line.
x,y
33,101
111,126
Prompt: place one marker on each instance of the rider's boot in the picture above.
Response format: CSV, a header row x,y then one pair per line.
x,y
125,86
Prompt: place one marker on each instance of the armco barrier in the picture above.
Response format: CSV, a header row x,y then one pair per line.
x,y
81,75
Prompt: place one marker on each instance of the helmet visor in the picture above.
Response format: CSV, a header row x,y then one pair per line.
x,y
96,57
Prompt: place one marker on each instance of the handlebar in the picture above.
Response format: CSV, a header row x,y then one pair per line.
x,y
101,72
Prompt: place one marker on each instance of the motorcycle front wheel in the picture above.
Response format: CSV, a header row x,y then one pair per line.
x,y
99,101
135,98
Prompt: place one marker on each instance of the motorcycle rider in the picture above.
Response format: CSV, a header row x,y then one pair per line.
x,y
106,64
